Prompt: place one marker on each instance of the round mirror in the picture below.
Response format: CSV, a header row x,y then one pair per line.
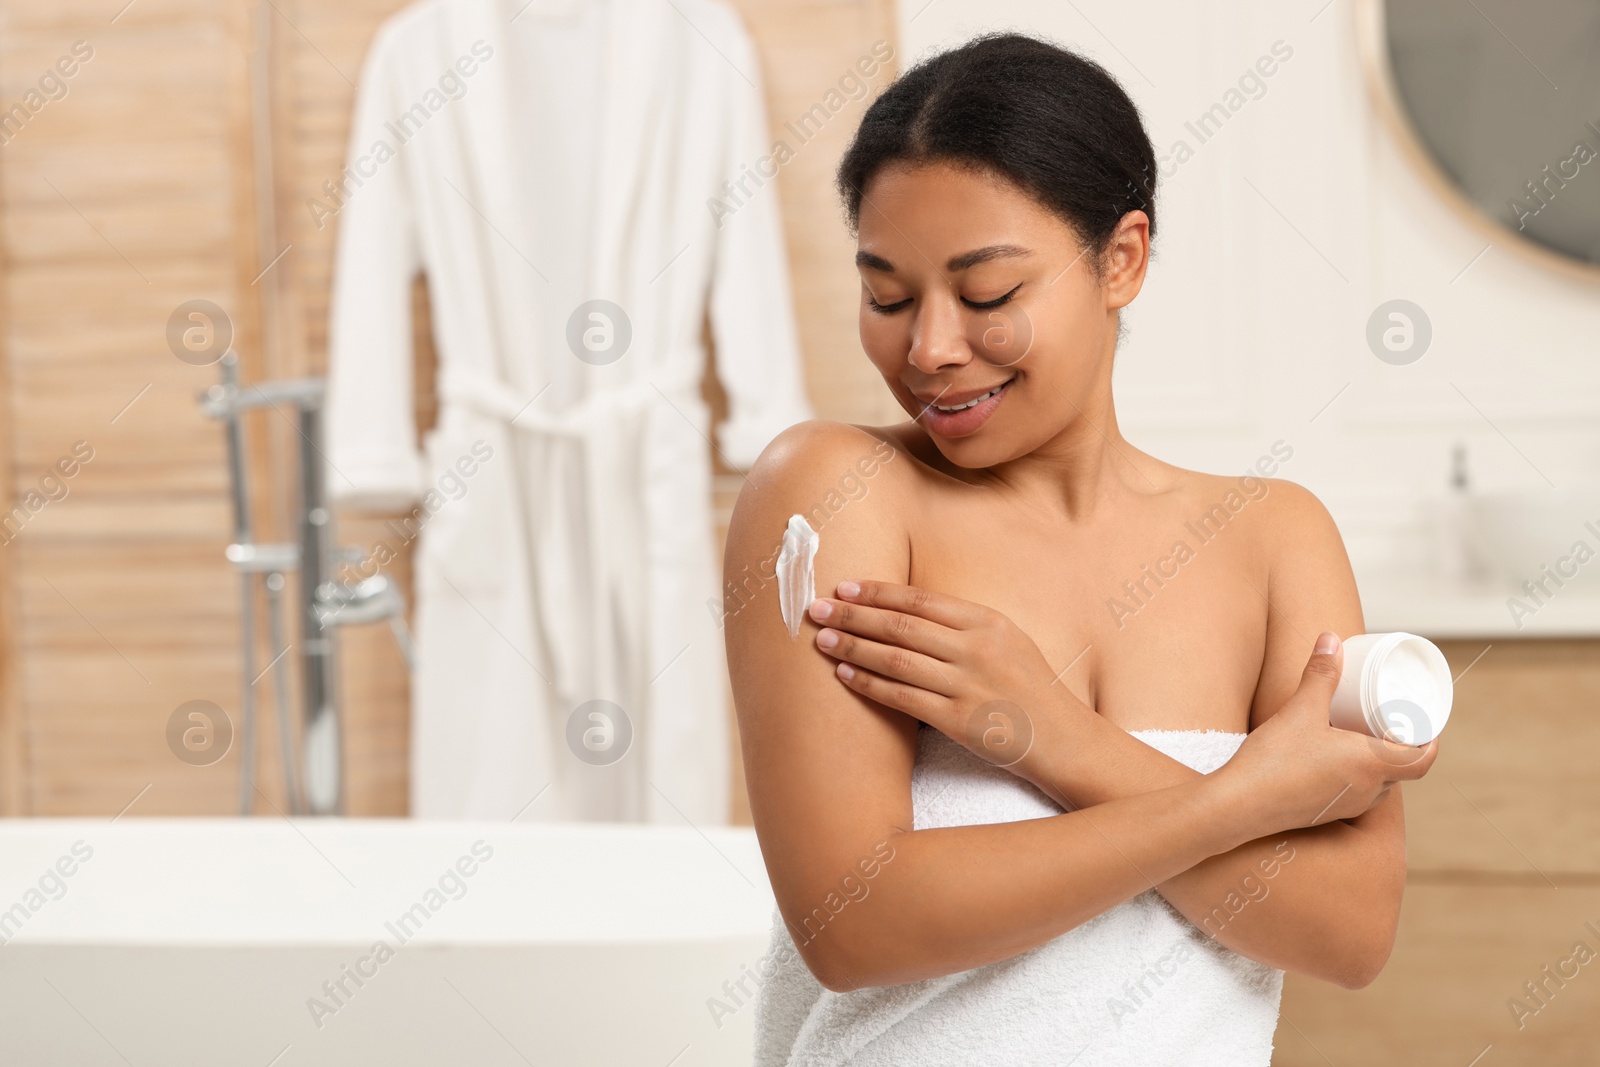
x,y
1498,101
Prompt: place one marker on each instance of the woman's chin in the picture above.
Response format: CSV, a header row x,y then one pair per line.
x,y
986,448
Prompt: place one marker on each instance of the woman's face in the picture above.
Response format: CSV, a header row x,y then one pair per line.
x,y
969,285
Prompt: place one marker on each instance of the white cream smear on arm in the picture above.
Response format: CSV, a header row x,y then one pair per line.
x,y
796,572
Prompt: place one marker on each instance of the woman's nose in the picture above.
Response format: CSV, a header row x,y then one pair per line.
x,y
938,337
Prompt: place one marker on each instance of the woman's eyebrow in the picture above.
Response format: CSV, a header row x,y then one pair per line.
x,y
965,260
984,255
873,262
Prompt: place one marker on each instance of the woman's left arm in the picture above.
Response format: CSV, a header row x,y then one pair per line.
x,y
1322,901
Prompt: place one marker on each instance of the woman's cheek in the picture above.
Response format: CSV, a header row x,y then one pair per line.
x,y
1001,337
885,341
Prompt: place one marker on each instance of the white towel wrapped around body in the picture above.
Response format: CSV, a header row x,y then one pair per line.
x,y
1136,985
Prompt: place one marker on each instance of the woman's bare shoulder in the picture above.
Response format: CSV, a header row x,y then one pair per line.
x,y
817,468
1276,532
1294,519
848,483
817,440
1278,513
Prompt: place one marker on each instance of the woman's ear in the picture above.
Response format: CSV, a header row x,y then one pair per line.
x,y
1126,256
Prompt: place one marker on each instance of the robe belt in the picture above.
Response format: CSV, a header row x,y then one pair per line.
x,y
587,524
490,396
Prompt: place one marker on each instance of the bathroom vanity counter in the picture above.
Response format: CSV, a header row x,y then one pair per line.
x,y
1436,608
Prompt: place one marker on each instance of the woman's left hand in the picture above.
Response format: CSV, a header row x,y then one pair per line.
x,y
964,669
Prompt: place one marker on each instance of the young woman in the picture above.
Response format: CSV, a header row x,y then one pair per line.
x,y
1047,775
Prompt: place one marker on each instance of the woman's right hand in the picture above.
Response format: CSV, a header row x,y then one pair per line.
x,y
1297,770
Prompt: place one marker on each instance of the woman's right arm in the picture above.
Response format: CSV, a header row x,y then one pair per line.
x,y
829,771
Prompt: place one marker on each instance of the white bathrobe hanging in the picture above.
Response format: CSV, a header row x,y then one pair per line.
x,y
531,160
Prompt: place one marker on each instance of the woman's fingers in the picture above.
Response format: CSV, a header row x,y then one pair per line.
x,y
941,608
914,701
890,661
889,627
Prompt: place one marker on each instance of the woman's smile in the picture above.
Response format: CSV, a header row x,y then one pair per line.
x,y
965,417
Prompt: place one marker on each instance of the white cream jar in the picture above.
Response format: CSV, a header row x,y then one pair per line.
x,y
1395,686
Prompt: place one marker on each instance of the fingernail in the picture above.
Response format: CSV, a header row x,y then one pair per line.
x,y
848,589
827,638
846,671
1327,643
821,609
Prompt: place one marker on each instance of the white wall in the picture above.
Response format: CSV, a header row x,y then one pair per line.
x,y
1247,328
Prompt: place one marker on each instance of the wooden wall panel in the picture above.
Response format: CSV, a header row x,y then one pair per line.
x,y
121,200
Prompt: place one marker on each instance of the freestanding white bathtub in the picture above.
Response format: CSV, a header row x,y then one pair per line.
x,y
257,942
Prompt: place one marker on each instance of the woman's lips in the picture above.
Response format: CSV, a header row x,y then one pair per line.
x,y
968,419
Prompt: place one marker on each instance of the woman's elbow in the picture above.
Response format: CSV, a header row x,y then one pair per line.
x,y
1371,931
1363,969
834,977
823,938
836,968
850,953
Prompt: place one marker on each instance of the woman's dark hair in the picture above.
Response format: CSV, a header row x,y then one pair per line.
x,y
1049,120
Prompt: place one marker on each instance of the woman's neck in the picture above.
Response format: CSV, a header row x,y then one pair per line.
x,y
1087,467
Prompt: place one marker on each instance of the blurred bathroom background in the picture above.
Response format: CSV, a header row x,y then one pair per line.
x,y
348,486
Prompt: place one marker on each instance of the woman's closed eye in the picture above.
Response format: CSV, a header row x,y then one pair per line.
x,y
977,305
984,305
